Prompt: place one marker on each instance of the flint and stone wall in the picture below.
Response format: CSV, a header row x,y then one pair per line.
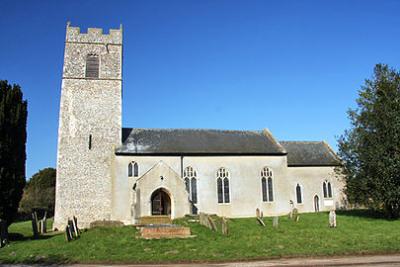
x,y
89,106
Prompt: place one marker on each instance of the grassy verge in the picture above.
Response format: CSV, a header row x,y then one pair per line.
x,y
357,233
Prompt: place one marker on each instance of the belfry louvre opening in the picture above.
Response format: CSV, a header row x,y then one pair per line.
x,y
92,66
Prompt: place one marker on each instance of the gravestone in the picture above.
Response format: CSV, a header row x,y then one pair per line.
x,y
75,225
68,233
207,221
72,231
332,219
262,215
212,223
260,221
224,226
257,213
290,215
71,228
295,215
3,233
35,225
202,219
275,221
43,224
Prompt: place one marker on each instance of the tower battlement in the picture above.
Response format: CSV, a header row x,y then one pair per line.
x,y
93,35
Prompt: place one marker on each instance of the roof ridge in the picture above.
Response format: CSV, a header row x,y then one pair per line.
x,y
195,129
297,141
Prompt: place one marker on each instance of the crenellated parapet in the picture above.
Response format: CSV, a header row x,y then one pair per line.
x,y
93,35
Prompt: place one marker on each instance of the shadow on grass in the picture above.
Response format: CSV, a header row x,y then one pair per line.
x,y
39,260
370,214
21,237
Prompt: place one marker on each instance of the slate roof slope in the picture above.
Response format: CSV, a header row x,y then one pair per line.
x,y
197,142
303,153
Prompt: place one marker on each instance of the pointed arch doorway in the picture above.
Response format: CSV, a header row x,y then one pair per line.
x,y
316,203
160,202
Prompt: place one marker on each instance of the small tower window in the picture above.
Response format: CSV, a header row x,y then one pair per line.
x,y
92,66
90,142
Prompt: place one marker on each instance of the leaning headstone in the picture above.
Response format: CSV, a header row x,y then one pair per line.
x,y
275,221
202,219
257,213
332,219
3,233
35,225
75,225
71,228
212,223
260,221
224,226
68,234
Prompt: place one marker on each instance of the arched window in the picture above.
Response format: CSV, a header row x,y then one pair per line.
x,y
223,186
266,185
327,188
133,169
92,66
298,194
190,177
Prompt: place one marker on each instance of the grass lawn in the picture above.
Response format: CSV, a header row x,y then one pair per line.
x,y
358,232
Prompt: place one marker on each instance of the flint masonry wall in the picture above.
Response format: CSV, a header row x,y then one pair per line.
x,y
88,107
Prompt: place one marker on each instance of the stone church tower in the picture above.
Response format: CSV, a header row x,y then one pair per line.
x,y
89,125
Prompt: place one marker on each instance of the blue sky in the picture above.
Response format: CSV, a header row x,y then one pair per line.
x,y
291,66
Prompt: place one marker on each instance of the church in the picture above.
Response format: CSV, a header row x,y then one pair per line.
x,y
108,172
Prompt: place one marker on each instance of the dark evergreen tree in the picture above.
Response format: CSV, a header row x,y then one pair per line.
x,y
370,149
13,116
39,193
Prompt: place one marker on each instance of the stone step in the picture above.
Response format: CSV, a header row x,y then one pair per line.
x,y
156,219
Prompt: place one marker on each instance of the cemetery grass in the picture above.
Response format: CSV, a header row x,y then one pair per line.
x,y
358,232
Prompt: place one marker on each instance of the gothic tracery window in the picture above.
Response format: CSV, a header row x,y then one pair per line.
x,y
327,189
223,190
133,169
266,185
190,178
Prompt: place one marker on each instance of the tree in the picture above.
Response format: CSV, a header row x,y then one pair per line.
x,y
13,116
370,149
39,192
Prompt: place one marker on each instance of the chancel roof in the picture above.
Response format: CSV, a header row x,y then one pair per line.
x,y
306,153
197,142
